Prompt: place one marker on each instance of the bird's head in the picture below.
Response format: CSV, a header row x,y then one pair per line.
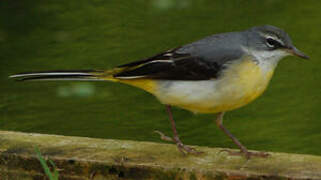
x,y
271,43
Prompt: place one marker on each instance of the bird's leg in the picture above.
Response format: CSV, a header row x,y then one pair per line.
x,y
181,147
243,149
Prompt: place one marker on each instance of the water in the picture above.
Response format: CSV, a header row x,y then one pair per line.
x,y
56,34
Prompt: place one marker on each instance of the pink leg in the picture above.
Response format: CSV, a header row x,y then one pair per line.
x,y
243,149
181,147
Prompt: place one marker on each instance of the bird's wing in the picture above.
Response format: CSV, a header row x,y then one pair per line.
x,y
201,60
170,65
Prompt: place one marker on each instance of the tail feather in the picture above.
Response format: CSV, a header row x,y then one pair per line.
x,y
82,75
87,75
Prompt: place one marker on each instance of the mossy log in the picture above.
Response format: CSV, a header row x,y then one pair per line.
x,y
90,158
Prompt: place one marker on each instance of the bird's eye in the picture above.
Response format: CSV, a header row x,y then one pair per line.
x,y
272,43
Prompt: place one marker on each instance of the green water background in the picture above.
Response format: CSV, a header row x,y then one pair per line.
x,y
100,34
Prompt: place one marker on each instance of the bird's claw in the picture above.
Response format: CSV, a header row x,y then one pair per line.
x,y
187,149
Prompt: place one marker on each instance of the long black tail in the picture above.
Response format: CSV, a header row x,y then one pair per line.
x,y
81,75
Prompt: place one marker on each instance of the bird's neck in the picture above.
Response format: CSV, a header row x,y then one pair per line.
x,y
267,60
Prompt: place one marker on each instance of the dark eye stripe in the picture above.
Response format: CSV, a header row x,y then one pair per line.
x,y
273,43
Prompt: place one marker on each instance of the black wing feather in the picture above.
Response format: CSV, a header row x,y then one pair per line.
x,y
171,66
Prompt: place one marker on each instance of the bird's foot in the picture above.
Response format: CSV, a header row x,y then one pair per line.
x,y
181,147
247,154
187,149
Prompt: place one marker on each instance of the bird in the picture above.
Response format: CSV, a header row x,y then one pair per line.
x,y
217,74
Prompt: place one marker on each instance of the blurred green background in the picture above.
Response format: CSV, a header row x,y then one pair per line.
x,y
100,34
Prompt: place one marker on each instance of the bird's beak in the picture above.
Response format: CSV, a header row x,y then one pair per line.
x,y
294,51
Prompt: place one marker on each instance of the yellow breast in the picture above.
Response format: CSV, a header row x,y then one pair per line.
x,y
242,83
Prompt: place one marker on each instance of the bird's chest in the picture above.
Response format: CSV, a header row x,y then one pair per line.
x,y
242,83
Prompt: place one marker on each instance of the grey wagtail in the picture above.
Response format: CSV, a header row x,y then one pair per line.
x,y
219,73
